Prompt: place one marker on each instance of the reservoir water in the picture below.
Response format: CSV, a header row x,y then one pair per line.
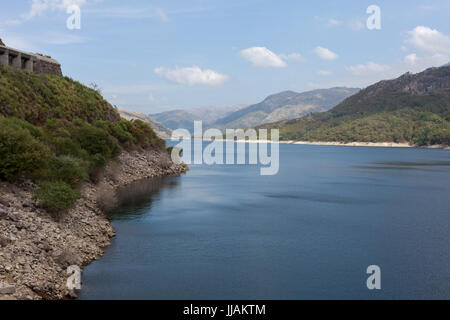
x,y
309,232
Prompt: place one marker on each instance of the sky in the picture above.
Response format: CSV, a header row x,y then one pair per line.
x,y
155,56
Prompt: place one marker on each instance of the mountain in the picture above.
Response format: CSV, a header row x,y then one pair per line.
x,y
285,105
161,131
413,108
176,119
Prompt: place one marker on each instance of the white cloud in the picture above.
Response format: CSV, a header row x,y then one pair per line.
x,y
368,68
151,98
263,57
416,63
62,38
357,25
192,76
334,22
411,59
39,7
18,41
324,73
297,57
429,40
161,14
325,54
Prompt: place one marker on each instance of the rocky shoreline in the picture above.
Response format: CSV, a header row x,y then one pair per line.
x,y
35,250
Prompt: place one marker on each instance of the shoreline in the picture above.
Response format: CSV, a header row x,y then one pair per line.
x,y
336,144
35,250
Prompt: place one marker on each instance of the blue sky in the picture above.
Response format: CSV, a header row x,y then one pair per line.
x,y
153,56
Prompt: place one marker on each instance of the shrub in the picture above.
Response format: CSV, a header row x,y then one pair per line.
x,y
22,154
67,169
97,141
69,147
56,197
145,136
21,124
121,131
58,128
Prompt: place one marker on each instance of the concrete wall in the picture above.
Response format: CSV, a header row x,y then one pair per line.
x,y
19,60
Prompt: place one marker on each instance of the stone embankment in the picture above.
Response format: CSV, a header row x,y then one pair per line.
x,y
35,250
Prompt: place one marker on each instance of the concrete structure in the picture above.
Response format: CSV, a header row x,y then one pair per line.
x,y
33,62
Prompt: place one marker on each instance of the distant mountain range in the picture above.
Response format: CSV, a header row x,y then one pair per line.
x,y
160,130
176,119
413,108
281,106
285,105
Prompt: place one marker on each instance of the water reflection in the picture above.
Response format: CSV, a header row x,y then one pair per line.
x,y
137,198
403,165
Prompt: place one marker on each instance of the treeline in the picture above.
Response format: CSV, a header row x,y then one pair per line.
x,y
397,117
405,125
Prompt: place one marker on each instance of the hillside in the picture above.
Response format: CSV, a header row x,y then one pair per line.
x,y
413,108
161,131
59,133
285,105
36,98
176,119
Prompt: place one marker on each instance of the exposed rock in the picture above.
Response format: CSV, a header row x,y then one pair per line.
x,y
7,288
35,250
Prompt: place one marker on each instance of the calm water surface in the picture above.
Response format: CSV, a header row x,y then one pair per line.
x,y
310,232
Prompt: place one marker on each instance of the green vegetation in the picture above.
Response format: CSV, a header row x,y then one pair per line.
x,y
68,169
56,197
58,133
21,152
405,125
383,112
36,98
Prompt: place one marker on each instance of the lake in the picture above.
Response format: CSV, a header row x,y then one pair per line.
x,y
309,232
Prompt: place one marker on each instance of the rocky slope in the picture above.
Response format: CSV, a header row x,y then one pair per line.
x,y
414,109
35,250
184,119
285,105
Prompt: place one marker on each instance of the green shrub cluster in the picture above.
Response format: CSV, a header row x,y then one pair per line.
x,y
58,133
21,152
56,197
36,98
